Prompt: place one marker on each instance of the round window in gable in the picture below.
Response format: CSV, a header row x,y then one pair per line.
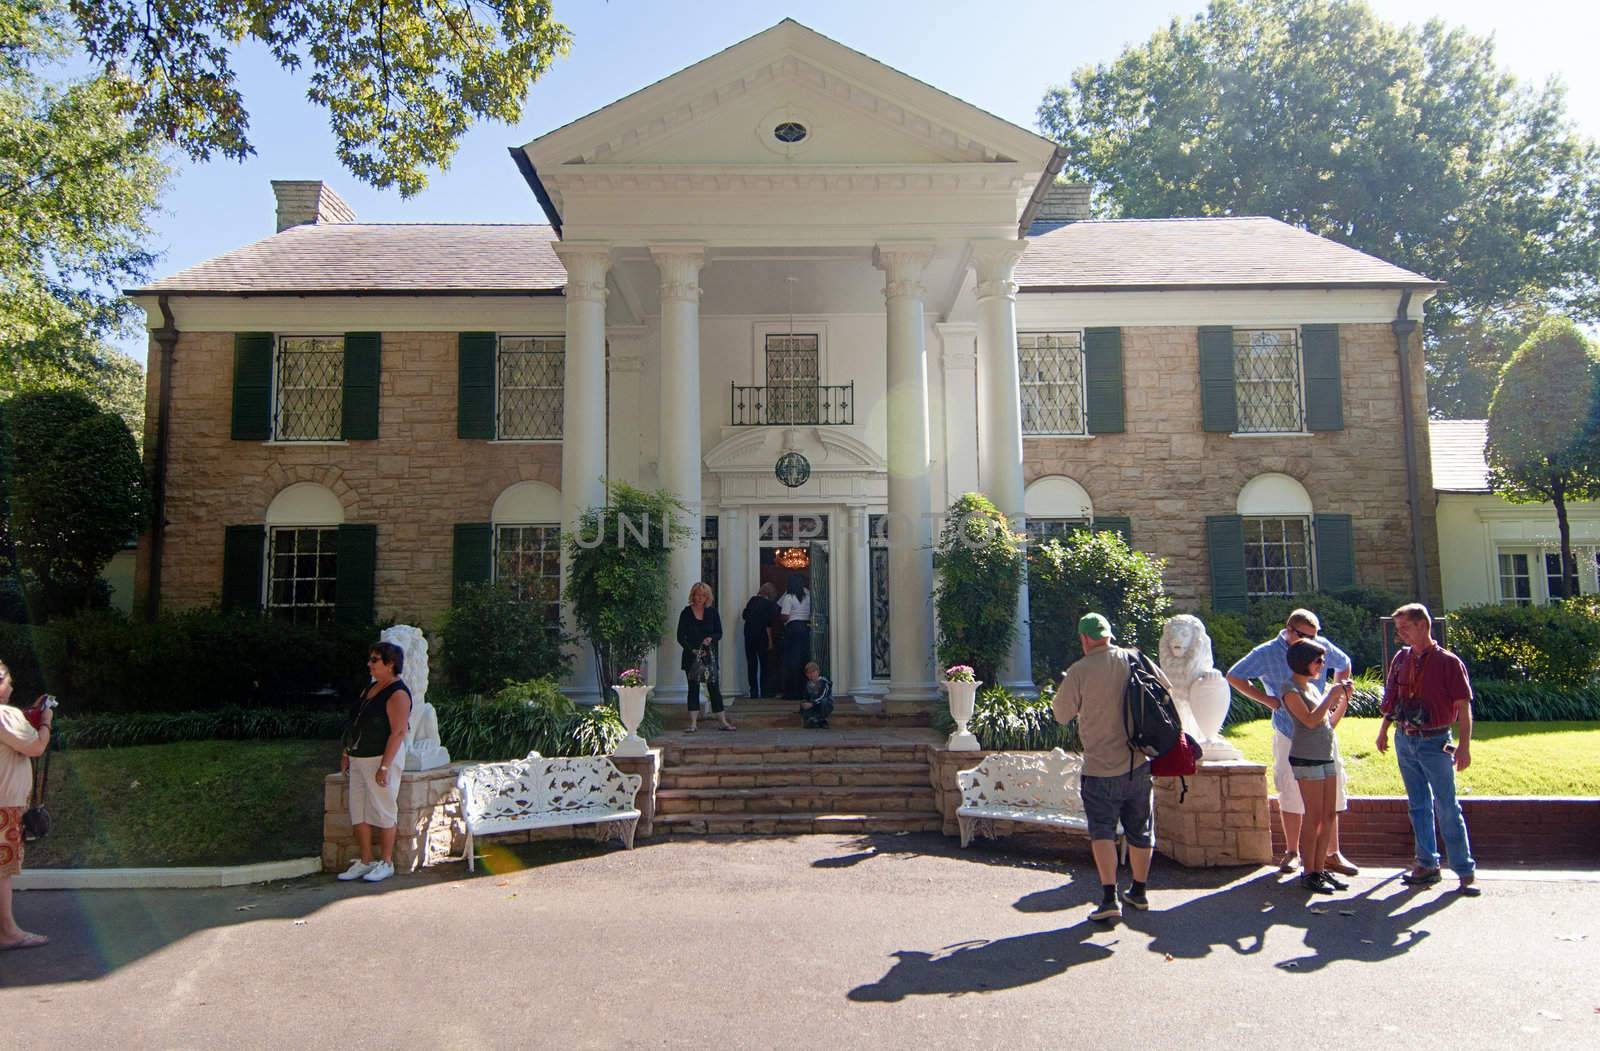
x,y
790,131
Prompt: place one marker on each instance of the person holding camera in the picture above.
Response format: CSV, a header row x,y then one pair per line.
x,y
1314,760
19,743
1427,696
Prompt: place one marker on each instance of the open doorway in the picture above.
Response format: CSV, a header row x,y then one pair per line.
x,y
793,548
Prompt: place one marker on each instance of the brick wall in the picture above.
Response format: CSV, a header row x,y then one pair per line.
x,y
415,482
1505,832
1167,475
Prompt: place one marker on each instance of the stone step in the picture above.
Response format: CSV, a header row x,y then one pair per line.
x,y
767,713
794,798
794,824
752,775
729,752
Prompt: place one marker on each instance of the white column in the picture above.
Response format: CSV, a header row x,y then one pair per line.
x,y
679,446
624,425
958,356
583,434
1000,399
735,579
911,673
858,597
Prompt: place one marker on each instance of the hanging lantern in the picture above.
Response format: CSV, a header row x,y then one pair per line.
x,y
792,469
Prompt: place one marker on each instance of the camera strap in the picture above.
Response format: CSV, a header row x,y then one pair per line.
x,y
41,779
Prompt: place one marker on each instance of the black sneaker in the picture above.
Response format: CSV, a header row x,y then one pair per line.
x,y
1314,882
1333,881
1108,912
1136,899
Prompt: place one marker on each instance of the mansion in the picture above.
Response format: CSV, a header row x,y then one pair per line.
x,y
817,300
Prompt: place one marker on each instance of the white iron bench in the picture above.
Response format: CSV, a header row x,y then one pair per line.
x,y
1038,788
535,792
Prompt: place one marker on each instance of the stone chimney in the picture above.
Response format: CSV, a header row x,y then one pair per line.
x,y
302,201
1064,202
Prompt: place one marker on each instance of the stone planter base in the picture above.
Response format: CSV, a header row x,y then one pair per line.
x,y
1223,820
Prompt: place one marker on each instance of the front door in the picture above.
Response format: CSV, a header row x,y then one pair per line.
x,y
818,550
794,545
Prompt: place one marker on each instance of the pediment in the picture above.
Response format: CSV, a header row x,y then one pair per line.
x,y
754,450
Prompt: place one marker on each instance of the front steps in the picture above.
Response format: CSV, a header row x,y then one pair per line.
x,y
795,782
770,714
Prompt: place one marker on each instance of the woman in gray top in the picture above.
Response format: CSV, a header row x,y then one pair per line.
x,y
1313,760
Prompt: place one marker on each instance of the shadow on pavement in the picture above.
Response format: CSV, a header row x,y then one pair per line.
x,y
979,967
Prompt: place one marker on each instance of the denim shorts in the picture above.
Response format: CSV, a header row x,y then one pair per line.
x,y
1328,771
1122,797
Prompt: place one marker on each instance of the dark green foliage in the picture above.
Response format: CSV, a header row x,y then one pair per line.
x,y
1230,638
492,636
528,717
1549,646
1006,721
979,566
1353,626
194,660
1513,702
72,494
618,586
1091,572
232,723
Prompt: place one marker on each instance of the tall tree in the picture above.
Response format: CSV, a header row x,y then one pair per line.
x,y
1410,144
78,185
1543,444
402,80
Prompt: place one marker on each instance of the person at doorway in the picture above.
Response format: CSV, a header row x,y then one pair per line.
x,y
699,631
759,614
374,755
795,609
818,704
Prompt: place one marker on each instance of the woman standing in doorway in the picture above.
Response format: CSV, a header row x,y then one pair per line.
x,y
795,609
699,631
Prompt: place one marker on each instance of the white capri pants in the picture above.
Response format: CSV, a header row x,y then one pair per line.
x,y
1289,800
371,803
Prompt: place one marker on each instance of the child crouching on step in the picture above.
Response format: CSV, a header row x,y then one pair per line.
x,y
818,704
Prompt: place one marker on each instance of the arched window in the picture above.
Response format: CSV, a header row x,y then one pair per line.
x,y
527,543
1275,512
302,572
1055,506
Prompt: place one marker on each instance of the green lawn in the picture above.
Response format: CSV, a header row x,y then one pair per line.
x,y
1508,759
193,803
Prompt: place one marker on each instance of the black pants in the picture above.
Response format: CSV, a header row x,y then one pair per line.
x,y
756,660
796,655
712,690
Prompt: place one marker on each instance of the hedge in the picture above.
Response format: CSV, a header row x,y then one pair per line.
x,y
1553,646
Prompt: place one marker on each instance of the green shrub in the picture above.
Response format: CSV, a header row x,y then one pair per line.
x,y
1356,629
1091,572
1230,639
1009,722
494,636
118,730
532,716
979,564
1513,702
1553,646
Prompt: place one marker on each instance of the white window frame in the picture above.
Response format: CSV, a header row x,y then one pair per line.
x,y
560,349
279,349
494,562
1309,523
1539,591
323,611
1297,356
1083,389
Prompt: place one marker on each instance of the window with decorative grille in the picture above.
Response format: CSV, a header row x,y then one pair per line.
x,y
1266,371
1277,556
794,376
302,573
531,376
711,555
1050,367
1042,529
878,590
528,557
310,386
1516,583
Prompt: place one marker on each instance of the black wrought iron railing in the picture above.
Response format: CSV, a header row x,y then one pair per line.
x,y
785,403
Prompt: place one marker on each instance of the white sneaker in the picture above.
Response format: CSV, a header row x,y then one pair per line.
x,y
357,869
380,872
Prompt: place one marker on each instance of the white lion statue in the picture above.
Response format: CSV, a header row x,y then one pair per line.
x,y
424,751
1198,688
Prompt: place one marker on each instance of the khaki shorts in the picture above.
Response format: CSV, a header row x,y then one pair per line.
x,y
371,803
1289,800
10,841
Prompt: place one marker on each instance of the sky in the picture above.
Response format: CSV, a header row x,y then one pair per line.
x,y
1001,65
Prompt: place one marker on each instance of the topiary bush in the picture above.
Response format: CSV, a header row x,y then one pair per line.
x,y
1091,572
1009,722
979,565
493,636
1553,646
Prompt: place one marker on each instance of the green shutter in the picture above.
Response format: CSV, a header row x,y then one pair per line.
x,y
1225,542
356,588
242,552
1102,376
252,386
363,360
1336,552
1219,402
1120,524
475,390
471,555
1319,351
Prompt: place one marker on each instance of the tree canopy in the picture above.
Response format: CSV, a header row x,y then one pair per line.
x,y
402,80
1543,445
1410,144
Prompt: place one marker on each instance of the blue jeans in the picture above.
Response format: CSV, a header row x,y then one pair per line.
x,y
1429,773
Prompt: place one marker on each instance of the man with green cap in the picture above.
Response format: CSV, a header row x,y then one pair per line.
x,y
1116,779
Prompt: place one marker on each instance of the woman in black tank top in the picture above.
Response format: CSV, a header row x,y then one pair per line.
x,y
374,753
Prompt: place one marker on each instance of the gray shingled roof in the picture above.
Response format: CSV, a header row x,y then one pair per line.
x,y
330,258
1251,252
1458,459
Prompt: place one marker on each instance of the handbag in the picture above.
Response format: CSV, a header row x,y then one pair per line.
x,y
36,819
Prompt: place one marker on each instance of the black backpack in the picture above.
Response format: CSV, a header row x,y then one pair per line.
x,y
1150,718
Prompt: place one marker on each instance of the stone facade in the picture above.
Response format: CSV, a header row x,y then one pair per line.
x,y
416,481
1222,818
1167,475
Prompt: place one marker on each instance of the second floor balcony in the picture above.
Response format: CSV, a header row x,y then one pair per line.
x,y
779,404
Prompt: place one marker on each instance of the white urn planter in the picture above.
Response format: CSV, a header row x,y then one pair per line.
x,y
962,695
1208,700
630,702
